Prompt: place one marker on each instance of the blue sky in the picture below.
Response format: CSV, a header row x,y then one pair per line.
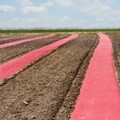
x,y
59,14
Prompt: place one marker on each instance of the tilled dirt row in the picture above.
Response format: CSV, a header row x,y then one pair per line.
x,y
39,91
2,36
11,36
20,37
116,47
7,36
14,51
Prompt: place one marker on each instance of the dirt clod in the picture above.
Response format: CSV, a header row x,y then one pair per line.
x,y
2,82
25,103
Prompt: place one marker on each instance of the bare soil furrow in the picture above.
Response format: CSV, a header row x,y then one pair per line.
x,y
116,52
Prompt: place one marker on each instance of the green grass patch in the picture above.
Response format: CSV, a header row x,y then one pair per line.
x,y
18,31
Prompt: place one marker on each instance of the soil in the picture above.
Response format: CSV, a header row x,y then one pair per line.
x,y
20,37
116,50
2,36
14,51
47,90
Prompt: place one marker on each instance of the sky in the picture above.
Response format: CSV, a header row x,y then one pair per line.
x,y
59,14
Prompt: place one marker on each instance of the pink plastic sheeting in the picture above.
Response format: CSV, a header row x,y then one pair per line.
x,y
12,67
99,97
23,41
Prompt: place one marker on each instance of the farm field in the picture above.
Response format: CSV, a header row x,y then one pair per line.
x,y
48,88
60,60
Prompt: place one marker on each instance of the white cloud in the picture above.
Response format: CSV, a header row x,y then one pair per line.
x,y
34,9
109,2
65,3
65,19
48,4
25,2
29,7
7,9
